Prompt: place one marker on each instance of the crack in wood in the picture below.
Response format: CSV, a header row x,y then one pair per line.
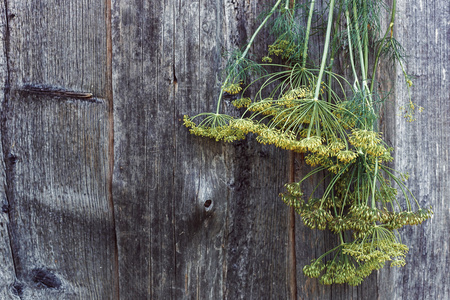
x,y
53,91
5,152
109,98
291,233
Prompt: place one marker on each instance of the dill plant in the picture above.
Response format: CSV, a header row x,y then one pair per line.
x,y
331,119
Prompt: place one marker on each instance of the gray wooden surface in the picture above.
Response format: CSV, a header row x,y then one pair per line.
x,y
111,198
55,151
422,149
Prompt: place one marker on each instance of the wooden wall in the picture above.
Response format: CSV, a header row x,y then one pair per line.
x,y
110,197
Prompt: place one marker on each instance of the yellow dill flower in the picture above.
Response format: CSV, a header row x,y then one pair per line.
x,y
232,88
311,142
312,160
245,125
335,168
267,59
298,93
241,102
335,146
188,122
321,150
346,156
364,138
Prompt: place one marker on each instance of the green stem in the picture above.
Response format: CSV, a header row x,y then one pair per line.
x,y
252,39
308,29
358,39
325,50
365,88
377,57
342,238
259,28
350,48
333,52
374,182
366,39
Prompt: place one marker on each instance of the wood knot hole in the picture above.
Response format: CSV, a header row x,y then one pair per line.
x,y
208,203
45,278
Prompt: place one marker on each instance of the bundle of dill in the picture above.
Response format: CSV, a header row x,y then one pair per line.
x,y
310,108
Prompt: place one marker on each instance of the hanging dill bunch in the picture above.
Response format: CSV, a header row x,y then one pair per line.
x,y
307,106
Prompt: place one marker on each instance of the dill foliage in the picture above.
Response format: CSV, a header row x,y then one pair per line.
x,y
310,107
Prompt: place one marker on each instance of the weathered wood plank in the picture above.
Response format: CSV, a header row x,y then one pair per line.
x,y
7,274
203,217
195,218
144,151
56,150
257,265
423,29
202,170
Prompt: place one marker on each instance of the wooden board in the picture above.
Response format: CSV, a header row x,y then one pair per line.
x,y
7,274
55,147
196,218
422,150
110,197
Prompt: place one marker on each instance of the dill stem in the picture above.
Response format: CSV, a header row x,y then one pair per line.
x,y
325,50
358,39
252,39
350,47
377,57
374,182
365,88
366,38
308,29
333,53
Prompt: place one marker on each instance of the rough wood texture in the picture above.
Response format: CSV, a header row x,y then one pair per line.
x,y
195,218
180,217
7,274
55,151
422,149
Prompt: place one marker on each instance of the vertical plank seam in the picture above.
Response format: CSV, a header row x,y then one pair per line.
x,y
291,233
174,133
109,97
4,141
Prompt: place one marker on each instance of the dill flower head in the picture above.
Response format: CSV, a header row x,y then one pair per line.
x,y
232,88
316,218
188,122
370,142
321,150
241,102
375,247
261,106
267,59
335,146
281,47
346,156
311,143
298,93
338,224
214,126
314,269
364,138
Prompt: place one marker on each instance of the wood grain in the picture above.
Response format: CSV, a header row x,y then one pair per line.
x,y
55,150
106,195
422,150
198,216
8,288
